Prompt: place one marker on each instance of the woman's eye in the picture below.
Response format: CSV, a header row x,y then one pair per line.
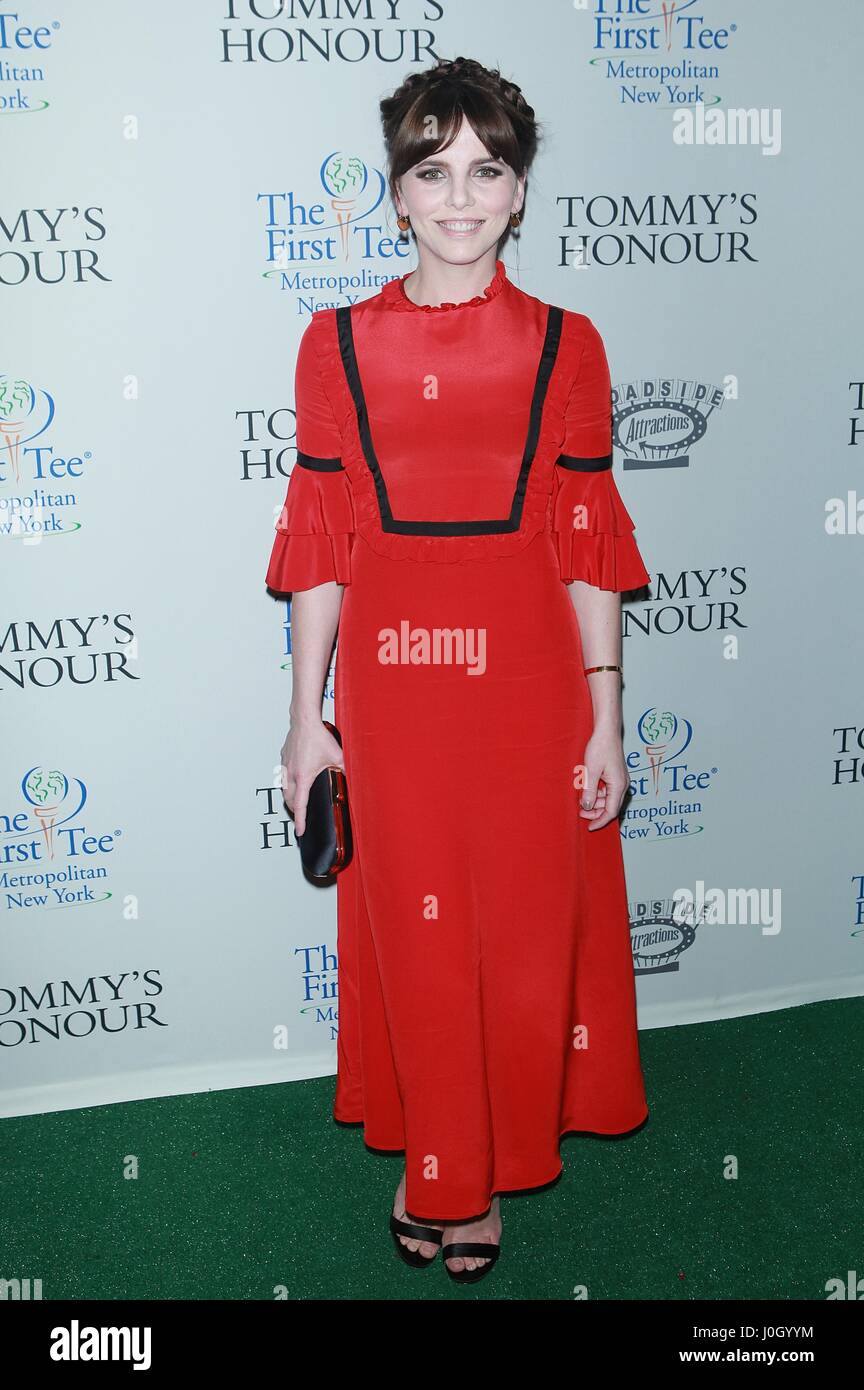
x,y
486,169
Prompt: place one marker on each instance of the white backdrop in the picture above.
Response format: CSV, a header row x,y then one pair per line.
x,y
183,185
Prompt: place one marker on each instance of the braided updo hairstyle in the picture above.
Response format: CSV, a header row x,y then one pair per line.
x,y
496,109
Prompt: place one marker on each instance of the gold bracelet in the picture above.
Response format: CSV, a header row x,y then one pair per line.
x,y
590,669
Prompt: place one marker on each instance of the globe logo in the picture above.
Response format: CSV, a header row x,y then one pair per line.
x,y
344,177
46,792
17,407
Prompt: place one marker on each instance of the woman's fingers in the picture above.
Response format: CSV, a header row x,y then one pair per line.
x,y
288,787
301,801
608,792
300,798
297,773
337,756
593,794
607,802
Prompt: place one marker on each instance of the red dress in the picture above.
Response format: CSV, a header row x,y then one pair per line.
x,y
454,473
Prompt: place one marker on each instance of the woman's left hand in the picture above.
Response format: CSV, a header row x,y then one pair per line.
x,y
606,779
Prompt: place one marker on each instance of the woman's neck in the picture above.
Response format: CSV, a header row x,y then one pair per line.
x,y
437,282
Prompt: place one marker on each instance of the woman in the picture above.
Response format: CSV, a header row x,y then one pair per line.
x,y
453,493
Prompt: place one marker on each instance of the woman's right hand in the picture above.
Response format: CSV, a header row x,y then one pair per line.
x,y
308,748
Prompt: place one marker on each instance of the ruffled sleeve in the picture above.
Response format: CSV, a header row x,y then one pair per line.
x,y
315,528
592,528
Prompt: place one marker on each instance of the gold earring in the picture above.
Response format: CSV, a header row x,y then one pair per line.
x,y
515,219
403,223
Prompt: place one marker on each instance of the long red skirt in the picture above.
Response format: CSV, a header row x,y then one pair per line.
x,y
486,991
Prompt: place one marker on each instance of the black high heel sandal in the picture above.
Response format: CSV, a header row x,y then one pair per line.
x,y
414,1232
458,1249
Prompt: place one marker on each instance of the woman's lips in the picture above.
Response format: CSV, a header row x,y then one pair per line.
x,y
461,226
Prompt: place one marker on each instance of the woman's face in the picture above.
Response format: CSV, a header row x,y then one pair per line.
x,y
460,199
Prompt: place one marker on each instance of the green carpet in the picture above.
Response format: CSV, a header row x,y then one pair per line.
x,y
246,1192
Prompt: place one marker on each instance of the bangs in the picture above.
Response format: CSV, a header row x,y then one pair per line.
x,y
432,123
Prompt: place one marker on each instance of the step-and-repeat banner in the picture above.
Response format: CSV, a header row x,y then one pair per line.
x,y
183,184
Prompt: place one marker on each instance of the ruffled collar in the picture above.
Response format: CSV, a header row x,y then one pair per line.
x,y
393,292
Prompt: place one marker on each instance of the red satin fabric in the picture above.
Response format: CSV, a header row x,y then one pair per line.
x,y
486,993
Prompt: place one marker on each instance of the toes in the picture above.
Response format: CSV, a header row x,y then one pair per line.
x,y
426,1248
457,1264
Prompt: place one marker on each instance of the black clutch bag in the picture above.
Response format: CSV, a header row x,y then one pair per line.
x,y
326,844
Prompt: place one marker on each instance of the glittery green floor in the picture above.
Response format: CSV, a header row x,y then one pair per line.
x,y
247,1193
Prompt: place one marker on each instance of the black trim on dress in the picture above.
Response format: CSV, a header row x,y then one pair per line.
x,y
320,465
592,465
494,526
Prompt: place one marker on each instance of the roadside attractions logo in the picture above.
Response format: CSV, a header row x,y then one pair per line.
x,y
668,790
50,857
660,933
38,496
659,53
656,421
327,247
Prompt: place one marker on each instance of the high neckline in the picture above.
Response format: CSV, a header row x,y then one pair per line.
x,y
396,297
